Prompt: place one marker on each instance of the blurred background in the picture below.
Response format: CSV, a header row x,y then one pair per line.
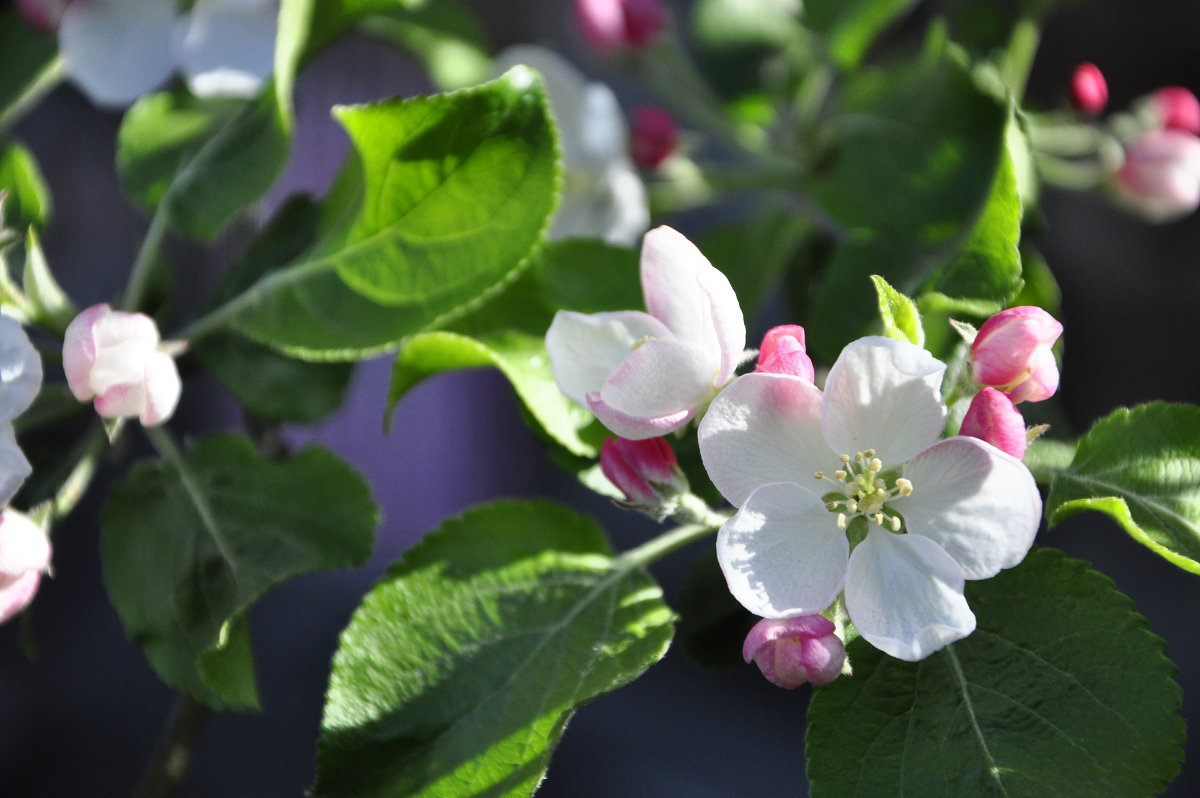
x,y
84,715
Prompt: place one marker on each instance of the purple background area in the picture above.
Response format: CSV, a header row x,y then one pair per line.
x,y
83,718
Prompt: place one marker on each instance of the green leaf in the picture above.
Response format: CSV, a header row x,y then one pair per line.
x,y
852,25
739,42
509,334
451,195
1061,690
268,383
445,35
754,255
331,18
29,64
901,319
45,302
27,202
461,668
1141,466
188,547
917,170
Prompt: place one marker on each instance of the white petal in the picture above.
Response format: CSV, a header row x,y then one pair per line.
x,y
599,131
227,48
671,267
20,370
764,428
782,553
162,389
905,595
885,395
609,204
117,50
976,502
14,468
585,348
658,377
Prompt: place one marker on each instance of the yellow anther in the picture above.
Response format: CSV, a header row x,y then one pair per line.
x,y
845,458
878,518
876,465
842,522
904,486
831,506
851,506
819,475
869,453
839,475
895,523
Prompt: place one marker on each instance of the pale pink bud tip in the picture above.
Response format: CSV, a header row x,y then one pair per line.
x,y
24,554
646,471
783,352
613,24
1178,108
792,651
1160,178
992,417
655,136
1012,353
116,359
1089,90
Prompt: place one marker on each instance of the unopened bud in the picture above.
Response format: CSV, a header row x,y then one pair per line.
x,y
117,360
43,14
783,352
24,555
646,471
1012,353
992,417
1160,177
654,136
615,24
1177,109
1089,90
792,651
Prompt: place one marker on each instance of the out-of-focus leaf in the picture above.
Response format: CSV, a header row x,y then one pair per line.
x,y
851,26
445,35
27,199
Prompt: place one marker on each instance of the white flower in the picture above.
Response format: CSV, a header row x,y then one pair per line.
x,y
115,358
603,196
645,374
118,50
20,381
850,489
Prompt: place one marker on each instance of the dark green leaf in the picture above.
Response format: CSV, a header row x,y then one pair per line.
x,y
188,547
443,205
852,26
29,62
1061,691
460,670
1141,466
737,40
28,199
754,255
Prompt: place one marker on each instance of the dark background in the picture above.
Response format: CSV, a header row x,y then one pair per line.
x,y
82,718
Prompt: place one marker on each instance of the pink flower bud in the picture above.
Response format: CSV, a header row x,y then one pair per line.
x,y
1012,353
792,651
24,554
1089,90
655,136
1160,178
115,358
43,14
613,24
783,352
993,417
646,471
1177,108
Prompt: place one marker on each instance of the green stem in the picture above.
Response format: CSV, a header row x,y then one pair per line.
x,y
38,88
147,257
1022,47
705,522
76,483
168,764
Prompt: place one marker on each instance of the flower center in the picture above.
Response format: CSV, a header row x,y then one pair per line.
x,y
867,487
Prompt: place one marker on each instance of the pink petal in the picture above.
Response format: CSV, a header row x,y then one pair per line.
x,y
16,594
637,427
79,350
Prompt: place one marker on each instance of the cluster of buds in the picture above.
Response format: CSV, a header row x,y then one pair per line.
x,y
792,651
1012,357
609,25
117,361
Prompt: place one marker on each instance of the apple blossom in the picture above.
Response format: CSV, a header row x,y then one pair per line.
x,y
116,359
20,381
792,651
24,555
603,196
783,352
117,50
646,472
993,417
850,490
1160,177
1012,352
1089,90
645,374
614,24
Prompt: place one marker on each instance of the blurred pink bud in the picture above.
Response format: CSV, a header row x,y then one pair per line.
x,y
1160,178
1012,353
783,352
24,555
614,24
792,651
993,417
655,136
1177,108
43,14
115,358
646,470
1089,90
